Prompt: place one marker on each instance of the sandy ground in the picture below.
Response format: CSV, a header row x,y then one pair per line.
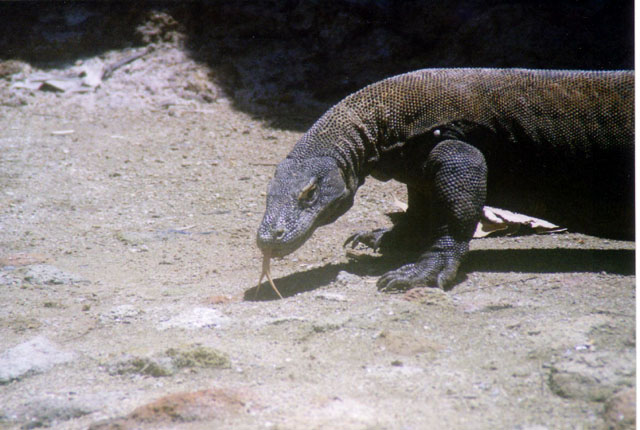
x,y
128,269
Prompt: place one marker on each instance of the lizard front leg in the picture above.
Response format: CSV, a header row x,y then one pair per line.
x,y
456,174
408,234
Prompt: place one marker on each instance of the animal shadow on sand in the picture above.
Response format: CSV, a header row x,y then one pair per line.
x,y
564,260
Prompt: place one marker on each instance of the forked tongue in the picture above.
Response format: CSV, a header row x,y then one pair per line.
x,y
266,271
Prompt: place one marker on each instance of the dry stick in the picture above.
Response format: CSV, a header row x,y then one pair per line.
x,y
263,164
108,71
266,271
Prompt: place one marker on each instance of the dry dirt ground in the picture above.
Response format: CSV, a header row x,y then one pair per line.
x,y
128,269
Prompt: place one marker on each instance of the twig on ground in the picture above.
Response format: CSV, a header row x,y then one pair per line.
x,y
108,70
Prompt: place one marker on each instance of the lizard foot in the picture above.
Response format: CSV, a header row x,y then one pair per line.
x,y
371,239
435,269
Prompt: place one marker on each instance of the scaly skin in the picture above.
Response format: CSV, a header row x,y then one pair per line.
x,y
553,144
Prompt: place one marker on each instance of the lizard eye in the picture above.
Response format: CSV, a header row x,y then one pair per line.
x,y
308,194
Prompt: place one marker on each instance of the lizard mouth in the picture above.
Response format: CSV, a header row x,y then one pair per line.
x,y
280,247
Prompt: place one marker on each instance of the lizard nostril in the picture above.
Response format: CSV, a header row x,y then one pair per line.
x,y
278,233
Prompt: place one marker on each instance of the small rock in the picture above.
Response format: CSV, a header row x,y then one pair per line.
x,y
194,319
48,412
332,297
193,406
592,375
620,410
577,386
280,320
10,67
123,314
577,380
34,356
396,369
45,274
346,278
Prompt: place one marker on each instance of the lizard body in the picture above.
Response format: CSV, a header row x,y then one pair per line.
x,y
557,145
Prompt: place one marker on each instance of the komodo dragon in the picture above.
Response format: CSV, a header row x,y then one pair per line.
x,y
557,145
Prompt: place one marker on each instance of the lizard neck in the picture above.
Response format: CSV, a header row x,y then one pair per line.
x,y
345,135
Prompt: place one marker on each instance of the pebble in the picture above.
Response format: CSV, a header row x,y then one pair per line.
x,y
34,356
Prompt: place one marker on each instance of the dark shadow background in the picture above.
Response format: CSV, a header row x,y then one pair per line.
x,y
288,61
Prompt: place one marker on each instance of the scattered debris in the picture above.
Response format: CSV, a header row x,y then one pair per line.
x,y
80,79
494,221
505,222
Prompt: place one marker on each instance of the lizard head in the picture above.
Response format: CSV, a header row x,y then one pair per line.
x,y
303,195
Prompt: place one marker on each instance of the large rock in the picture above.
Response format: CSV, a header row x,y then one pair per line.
x,y
34,356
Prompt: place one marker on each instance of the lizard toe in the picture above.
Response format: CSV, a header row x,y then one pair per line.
x,y
436,270
406,277
370,239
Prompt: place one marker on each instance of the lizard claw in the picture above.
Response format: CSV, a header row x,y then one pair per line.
x,y
435,269
370,239
352,240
